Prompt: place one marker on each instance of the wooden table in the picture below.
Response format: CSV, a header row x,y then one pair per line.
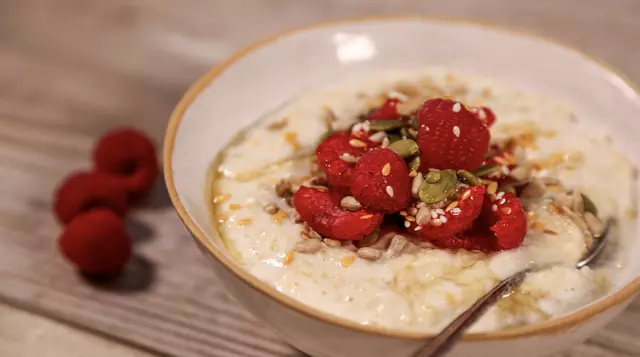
x,y
72,69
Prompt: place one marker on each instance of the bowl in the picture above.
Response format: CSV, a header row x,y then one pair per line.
x,y
270,72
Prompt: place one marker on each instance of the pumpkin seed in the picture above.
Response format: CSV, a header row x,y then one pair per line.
x,y
393,138
414,164
326,134
469,178
384,125
486,170
404,132
589,206
405,148
438,186
369,239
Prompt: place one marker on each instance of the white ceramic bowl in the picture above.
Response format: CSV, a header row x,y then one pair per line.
x,y
258,78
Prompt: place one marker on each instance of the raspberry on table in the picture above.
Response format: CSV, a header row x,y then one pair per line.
x,y
129,155
96,243
450,136
84,191
321,210
381,181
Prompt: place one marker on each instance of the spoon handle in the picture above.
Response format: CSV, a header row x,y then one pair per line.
x,y
443,342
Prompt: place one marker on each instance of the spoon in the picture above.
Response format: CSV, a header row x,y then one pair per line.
x,y
446,339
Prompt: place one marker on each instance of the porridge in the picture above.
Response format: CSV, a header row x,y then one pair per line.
x,y
400,200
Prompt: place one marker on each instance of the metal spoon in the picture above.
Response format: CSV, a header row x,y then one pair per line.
x,y
446,339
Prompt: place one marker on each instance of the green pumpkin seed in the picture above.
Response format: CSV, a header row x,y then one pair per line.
x,y
469,178
368,240
414,164
384,125
486,170
326,134
589,206
404,132
414,122
444,187
405,148
393,138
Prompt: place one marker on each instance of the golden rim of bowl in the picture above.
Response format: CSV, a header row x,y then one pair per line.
x,y
547,327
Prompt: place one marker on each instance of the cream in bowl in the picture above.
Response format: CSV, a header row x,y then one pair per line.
x,y
371,200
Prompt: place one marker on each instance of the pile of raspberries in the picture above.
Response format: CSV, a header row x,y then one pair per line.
x,y
429,175
92,205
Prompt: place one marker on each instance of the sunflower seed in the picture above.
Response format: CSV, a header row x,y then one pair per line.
x,y
308,246
333,243
577,203
398,243
594,223
415,186
521,173
423,216
350,203
369,253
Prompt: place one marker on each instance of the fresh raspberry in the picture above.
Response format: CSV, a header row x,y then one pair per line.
x,y
381,181
321,210
387,111
96,243
130,155
502,226
450,136
485,114
507,220
456,220
85,191
335,156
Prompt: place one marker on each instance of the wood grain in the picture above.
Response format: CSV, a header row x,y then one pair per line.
x,y
72,69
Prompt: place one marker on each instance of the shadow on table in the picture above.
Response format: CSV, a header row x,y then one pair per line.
x,y
139,276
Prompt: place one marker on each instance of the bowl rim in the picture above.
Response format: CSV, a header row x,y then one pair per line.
x,y
551,326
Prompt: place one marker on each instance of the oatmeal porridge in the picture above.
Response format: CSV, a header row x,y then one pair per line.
x,y
400,200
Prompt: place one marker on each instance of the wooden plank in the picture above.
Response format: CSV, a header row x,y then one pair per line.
x,y
72,69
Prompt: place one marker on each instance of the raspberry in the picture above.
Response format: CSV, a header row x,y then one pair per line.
x,y
337,154
321,210
501,228
485,114
507,219
387,111
456,220
96,243
130,155
381,181
85,191
450,136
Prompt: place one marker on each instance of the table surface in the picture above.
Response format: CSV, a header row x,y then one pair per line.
x,y
72,69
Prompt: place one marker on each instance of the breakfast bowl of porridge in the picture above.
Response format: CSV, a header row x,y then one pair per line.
x,y
358,185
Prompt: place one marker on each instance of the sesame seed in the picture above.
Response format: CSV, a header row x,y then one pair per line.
x,y
417,228
385,142
456,211
357,127
410,218
439,211
288,258
389,191
499,195
357,143
506,210
386,169
434,214
502,201
443,219
465,195
456,131
451,206
436,222
426,128
494,208
456,107
505,170
366,216
492,187
501,160
482,114
403,213
407,224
